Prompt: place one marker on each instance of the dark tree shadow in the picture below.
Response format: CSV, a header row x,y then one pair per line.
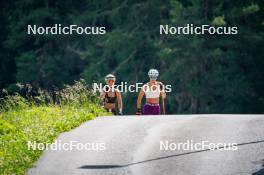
x,y
165,157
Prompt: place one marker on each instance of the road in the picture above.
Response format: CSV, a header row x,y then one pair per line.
x,y
135,145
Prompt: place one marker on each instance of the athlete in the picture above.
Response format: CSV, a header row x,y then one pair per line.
x,y
111,96
153,90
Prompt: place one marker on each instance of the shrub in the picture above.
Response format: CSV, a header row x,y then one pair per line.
x,y
41,118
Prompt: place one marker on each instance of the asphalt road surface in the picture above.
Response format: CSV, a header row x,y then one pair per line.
x,y
135,145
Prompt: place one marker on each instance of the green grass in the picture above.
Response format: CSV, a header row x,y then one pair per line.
x,y
22,120
41,124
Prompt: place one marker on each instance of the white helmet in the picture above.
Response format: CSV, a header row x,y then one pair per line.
x,y
153,74
110,77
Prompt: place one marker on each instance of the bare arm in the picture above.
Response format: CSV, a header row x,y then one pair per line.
x,y
163,94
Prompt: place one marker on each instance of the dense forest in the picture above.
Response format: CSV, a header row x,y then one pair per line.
x,y
208,73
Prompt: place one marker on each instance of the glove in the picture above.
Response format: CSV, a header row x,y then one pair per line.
x,y
139,111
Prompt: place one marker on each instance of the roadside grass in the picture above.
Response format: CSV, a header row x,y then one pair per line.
x,y
22,120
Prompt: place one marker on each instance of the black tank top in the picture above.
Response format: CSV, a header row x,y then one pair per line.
x,y
108,99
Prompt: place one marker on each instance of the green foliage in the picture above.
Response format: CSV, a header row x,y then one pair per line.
x,y
13,102
24,120
219,21
253,8
208,73
5,127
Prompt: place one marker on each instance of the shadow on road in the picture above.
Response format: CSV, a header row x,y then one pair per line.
x,y
260,172
102,166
